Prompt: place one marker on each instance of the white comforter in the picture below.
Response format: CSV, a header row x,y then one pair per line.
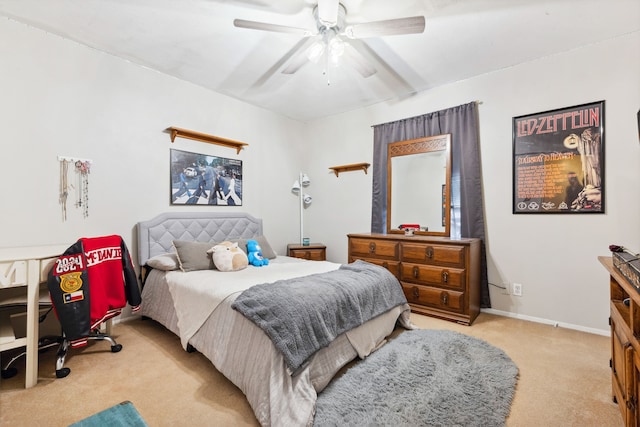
x,y
244,353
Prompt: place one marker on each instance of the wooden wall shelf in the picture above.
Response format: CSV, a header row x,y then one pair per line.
x,y
349,168
211,139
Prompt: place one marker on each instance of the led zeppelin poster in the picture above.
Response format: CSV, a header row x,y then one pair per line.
x,y
558,161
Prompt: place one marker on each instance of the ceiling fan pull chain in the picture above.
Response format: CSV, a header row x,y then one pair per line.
x,y
327,66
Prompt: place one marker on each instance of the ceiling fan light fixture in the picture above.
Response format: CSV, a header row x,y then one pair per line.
x,y
336,46
315,52
336,50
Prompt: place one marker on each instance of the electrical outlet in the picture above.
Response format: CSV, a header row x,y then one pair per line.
x,y
506,288
517,289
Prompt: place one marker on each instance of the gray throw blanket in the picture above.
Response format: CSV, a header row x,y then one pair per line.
x,y
304,314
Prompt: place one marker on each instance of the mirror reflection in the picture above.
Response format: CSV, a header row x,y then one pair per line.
x,y
418,185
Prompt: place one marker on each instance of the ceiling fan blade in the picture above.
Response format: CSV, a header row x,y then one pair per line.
x,y
389,27
358,61
390,77
328,12
263,26
294,52
297,62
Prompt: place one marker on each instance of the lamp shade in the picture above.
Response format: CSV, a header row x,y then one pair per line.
x,y
296,186
305,180
307,199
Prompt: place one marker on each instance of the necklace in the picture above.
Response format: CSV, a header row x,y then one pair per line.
x,y
83,168
64,187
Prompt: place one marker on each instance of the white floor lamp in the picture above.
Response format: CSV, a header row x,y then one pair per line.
x,y
305,199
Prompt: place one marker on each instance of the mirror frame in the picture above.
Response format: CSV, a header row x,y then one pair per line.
x,y
418,146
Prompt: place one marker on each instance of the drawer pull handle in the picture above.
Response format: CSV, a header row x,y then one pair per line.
x,y
372,248
445,276
429,252
416,272
385,265
444,297
307,255
416,293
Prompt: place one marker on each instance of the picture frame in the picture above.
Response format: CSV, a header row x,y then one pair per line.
x,y
203,179
558,161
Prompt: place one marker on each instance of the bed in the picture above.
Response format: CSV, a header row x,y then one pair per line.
x,y
198,306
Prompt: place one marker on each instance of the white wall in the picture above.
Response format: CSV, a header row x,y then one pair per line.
x,y
554,257
62,98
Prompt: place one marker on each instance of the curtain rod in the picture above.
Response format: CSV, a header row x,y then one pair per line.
x,y
408,118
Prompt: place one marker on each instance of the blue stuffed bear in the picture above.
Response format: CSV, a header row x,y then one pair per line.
x,y
254,253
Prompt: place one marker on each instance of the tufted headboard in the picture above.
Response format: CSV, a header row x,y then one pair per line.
x,y
155,236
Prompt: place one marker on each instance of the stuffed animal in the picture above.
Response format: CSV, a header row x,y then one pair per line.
x,y
255,254
228,256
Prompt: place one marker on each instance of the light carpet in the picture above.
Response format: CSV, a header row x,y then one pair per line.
x,y
423,378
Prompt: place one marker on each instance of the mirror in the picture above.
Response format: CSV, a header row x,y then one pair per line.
x,y
418,185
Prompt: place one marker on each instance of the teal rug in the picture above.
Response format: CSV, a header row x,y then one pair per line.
x,y
121,415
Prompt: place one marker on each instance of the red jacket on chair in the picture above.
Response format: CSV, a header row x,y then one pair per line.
x,y
90,283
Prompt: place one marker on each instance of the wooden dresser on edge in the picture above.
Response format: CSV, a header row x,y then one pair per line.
x,y
625,345
440,276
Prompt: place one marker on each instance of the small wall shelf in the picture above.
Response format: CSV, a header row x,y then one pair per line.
x,y
349,168
211,139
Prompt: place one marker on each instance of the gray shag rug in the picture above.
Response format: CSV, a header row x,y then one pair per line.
x,y
423,378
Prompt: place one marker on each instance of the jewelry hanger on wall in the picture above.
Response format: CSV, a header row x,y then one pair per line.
x,y
82,168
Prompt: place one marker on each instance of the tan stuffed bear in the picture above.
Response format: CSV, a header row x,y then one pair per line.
x,y
228,256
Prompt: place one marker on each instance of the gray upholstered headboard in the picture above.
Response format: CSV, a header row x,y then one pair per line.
x,y
155,236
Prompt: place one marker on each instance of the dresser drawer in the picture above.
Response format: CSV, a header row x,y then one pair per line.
x,y
431,275
444,299
308,253
392,266
370,248
433,254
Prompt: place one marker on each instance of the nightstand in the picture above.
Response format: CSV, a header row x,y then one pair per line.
x,y
313,251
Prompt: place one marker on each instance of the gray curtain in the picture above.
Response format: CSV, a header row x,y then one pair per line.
x,y
467,208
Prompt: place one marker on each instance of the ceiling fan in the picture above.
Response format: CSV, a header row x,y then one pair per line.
x,y
333,38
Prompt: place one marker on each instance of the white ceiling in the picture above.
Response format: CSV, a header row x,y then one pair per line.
x,y
196,41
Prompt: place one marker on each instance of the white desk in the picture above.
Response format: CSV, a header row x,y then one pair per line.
x,y
28,267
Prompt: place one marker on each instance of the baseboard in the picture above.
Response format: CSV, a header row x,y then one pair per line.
x,y
606,333
122,318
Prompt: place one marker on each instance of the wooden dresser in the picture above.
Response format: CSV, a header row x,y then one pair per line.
x,y
625,344
440,276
